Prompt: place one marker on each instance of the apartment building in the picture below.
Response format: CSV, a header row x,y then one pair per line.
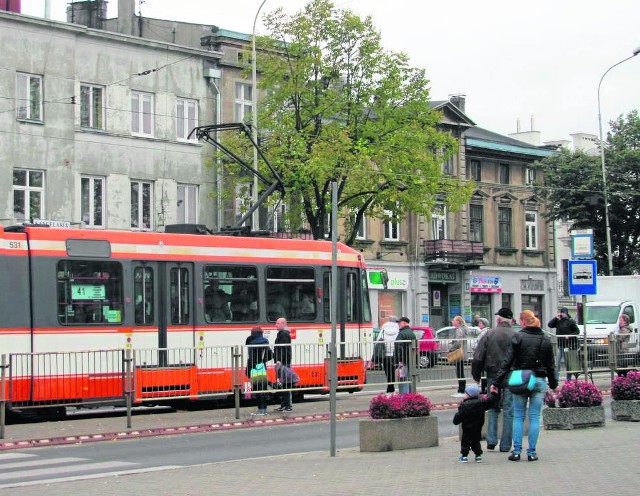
x,y
95,127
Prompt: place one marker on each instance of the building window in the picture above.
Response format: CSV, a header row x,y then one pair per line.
x,y
29,91
92,201
187,204
507,300
475,170
186,119
476,214
529,175
243,202
361,233
327,226
447,165
503,173
141,113
531,230
91,106
28,194
504,228
141,202
391,226
277,221
243,102
439,222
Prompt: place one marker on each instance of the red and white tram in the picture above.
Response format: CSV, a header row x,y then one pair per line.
x,y
76,290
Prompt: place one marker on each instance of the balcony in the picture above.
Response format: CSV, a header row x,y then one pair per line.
x,y
459,254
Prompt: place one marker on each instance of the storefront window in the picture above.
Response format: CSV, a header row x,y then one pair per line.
x,y
533,303
389,303
481,305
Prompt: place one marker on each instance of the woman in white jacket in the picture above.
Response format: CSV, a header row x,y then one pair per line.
x,y
389,333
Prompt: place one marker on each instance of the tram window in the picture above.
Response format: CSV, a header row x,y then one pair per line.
x,y
231,293
366,304
179,291
217,294
89,292
143,295
291,293
351,302
326,297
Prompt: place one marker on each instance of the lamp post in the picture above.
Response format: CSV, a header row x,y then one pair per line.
x,y
604,170
255,219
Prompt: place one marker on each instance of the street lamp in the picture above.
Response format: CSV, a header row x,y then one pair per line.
x,y
255,219
604,170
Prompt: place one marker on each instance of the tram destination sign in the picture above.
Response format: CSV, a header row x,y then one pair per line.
x,y
52,223
87,292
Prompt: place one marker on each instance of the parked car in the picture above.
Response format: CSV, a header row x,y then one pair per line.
x,y
427,347
444,337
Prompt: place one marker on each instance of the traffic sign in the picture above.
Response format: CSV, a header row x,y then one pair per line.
x,y
582,243
583,277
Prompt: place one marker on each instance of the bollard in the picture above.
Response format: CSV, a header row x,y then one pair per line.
x,y
128,384
613,355
414,366
237,374
3,398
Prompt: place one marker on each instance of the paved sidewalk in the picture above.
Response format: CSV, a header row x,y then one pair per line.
x,y
587,462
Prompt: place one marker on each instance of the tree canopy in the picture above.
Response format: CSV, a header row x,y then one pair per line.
x,y
574,191
341,108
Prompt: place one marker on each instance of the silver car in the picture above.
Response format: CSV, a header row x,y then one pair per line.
x,y
444,338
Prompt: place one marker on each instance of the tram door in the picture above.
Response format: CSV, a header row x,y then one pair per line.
x,y
177,322
163,299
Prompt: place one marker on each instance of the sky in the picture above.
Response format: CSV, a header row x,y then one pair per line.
x,y
538,63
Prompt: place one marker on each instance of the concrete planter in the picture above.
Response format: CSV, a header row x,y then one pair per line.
x,y
573,418
398,434
627,410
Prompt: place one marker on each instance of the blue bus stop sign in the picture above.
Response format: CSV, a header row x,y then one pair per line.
x,y
583,277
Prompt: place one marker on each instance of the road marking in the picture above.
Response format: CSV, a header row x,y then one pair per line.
x,y
40,462
44,472
90,476
13,456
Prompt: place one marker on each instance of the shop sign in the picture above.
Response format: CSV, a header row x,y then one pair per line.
x,y
397,281
531,285
485,284
441,276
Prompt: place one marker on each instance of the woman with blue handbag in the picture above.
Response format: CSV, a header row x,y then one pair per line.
x,y
530,350
258,354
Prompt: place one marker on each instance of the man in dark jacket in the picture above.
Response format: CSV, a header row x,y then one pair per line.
x,y
402,353
566,332
282,357
471,415
489,354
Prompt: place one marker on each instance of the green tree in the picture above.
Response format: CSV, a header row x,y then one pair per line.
x,y
574,192
341,108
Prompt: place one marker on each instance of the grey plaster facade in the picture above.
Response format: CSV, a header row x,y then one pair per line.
x,y
56,142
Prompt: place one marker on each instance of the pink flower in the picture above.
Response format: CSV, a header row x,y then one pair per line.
x,y
579,393
626,387
399,406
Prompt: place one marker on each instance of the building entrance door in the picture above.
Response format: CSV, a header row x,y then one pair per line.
x,y
439,305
